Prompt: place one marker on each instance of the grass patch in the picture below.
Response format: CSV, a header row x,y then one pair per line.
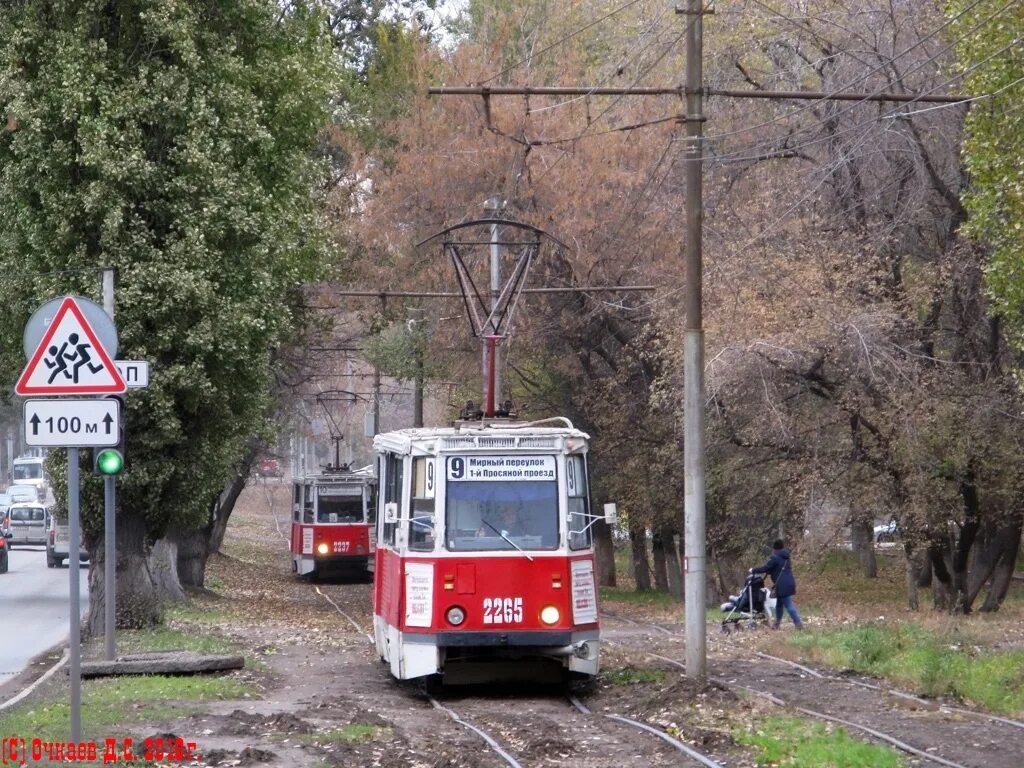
x,y
784,741
633,676
348,734
629,597
112,702
167,639
930,662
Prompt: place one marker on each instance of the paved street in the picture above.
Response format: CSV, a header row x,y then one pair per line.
x,y
33,607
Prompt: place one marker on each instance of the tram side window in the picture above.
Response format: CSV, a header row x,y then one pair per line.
x,y
421,521
579,505
393,473
371,504
296,502
307,504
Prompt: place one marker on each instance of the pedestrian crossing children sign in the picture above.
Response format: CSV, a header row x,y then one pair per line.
x,y
70,360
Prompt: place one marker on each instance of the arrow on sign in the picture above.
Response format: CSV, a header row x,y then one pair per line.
x,y
107,421
34,421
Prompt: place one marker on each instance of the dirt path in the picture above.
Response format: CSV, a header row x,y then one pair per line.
x,y
327,700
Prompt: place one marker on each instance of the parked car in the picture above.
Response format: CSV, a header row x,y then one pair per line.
x,y
4,558
886,533
23,492
26,521
58,546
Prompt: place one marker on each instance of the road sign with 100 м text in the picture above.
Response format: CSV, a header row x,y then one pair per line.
x,y
72,423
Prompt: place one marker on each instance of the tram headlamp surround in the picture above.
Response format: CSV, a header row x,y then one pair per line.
x,y
455,615
549,614
322,548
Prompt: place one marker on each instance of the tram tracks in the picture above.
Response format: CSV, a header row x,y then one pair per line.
x,y
960,746
598,721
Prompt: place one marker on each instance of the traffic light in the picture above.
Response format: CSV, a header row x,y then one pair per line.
x,y
108,461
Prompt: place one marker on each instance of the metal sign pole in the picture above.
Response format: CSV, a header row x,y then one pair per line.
x,y
109,568
75,649
109,519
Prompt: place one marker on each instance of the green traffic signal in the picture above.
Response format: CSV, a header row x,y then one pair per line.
x,y
109,461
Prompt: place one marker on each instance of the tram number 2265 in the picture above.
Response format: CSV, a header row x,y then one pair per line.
x,y
503,610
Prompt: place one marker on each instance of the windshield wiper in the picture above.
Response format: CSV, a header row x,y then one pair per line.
x,y
506,538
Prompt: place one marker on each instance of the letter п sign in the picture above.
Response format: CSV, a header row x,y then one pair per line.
x,y
70,360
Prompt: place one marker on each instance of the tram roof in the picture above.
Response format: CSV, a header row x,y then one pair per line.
x,y
482,436
360,475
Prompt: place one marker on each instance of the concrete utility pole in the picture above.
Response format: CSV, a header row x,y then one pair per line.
x,y
695,546
492,356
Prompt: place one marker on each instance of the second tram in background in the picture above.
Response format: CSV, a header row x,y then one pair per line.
x,y
485,558
333,516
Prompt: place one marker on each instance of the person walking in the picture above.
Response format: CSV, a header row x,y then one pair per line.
x,y
780,568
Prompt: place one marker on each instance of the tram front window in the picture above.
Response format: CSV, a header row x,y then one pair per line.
x,y
497,515
340,509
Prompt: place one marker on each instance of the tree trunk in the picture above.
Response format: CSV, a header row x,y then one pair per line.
x,y
193,552
194,547
638,550
658,558
962,546
672,569
605,551
1005,543
912,577
942,582
140,595
862,534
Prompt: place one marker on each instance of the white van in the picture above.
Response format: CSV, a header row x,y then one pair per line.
x,y
28,470
26,522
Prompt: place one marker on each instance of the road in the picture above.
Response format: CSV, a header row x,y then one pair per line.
x,y
34,606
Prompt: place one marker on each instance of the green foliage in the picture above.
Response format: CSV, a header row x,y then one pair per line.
x,y
934,664
171,140
993,147
785,741
401,351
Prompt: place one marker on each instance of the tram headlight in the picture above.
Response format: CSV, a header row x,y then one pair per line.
x,y
455,615
549,614
322,548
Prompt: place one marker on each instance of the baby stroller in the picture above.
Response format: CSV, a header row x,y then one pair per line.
x,y
753,605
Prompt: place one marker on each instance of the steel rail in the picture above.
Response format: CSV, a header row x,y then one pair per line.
x,y
891,740
897,693
680,746
491,741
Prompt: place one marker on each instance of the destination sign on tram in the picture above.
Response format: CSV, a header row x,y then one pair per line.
x,y
504,468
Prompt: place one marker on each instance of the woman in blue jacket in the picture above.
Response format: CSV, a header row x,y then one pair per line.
x,y
780,568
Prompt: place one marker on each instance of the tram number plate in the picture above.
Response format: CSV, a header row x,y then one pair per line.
x,y
341,546
503,610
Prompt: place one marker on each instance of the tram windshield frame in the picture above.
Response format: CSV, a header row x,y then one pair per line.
x,y
339,505
502,515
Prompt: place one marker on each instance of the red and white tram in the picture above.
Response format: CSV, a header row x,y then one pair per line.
x,y
333,516
484,551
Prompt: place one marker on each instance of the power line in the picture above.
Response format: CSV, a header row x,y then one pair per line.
x,y
561,40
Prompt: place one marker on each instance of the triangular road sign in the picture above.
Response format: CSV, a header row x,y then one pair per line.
x,y
70,360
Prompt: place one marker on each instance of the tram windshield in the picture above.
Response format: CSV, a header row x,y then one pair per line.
x,y
495,515
339,509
